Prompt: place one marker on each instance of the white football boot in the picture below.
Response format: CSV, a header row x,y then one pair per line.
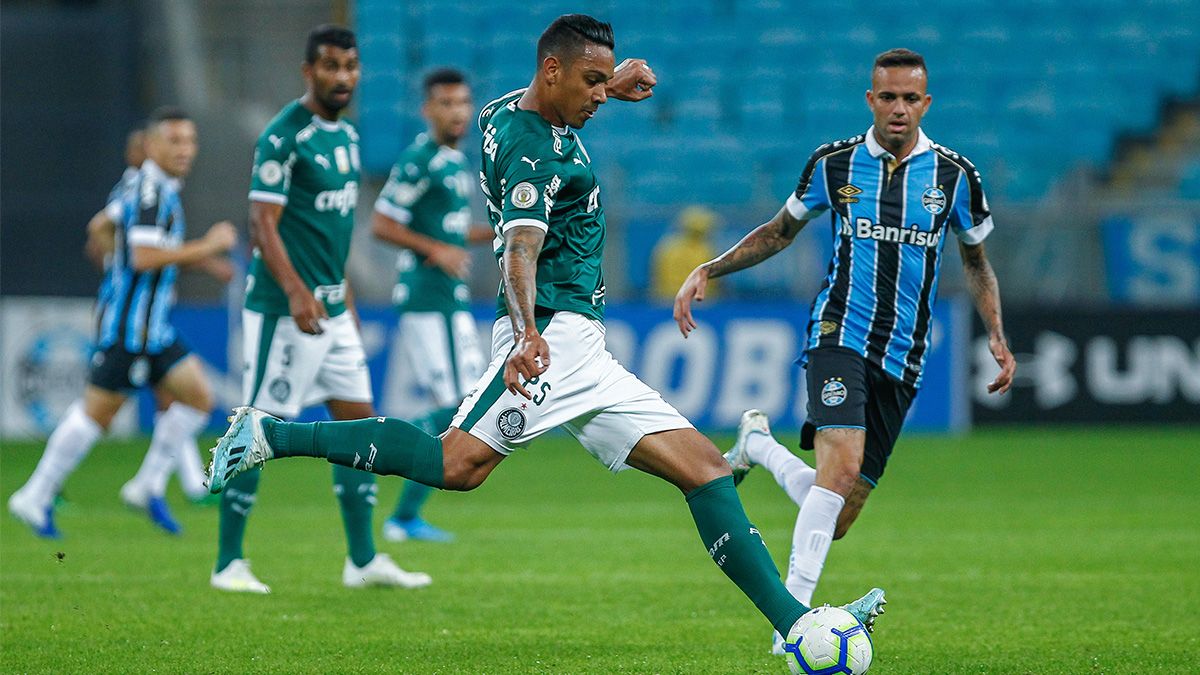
x,y
752,422
237,578
382,571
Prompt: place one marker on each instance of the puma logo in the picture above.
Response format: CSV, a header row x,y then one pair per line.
x,y
370,465
579,161
532,162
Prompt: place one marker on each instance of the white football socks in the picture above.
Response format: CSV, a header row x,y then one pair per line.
x,y
70,442
187,453
176,426
810,541
792,474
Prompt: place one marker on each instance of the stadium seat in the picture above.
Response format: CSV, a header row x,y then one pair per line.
x,y
1035,72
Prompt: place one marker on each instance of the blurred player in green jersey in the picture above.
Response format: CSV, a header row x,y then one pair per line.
x,y
425,210
301,342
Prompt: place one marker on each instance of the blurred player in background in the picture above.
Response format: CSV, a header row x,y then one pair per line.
x,y
891,193
135,343
549,365
425,210
99,248
301,342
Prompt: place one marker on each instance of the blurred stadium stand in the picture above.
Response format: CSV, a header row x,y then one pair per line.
x,y
1041,95
1073,111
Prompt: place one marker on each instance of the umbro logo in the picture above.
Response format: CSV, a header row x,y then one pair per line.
x,y
848,194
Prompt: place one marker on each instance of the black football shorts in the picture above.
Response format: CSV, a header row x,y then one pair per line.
x,y
118,370
845,390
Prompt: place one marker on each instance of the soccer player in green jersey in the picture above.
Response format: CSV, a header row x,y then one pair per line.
x,y
425,210
301,342
549,364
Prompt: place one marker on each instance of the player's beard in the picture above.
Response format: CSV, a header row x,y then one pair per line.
x,y
332,104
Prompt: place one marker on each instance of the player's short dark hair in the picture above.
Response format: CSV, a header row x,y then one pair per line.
x,y
442,76
567,35
166,113
898,58
328,34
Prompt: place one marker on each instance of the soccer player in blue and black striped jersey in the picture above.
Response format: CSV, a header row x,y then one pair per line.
x,y
893,196
135,344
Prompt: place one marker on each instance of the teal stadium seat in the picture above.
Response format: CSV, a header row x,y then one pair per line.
x,y
1029,90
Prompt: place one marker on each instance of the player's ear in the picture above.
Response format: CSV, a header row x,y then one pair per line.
x,y
551,69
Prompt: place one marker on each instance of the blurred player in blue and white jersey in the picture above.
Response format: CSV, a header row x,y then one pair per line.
x,y
135,344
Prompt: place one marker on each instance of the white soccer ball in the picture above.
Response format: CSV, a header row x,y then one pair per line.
x,y
827,641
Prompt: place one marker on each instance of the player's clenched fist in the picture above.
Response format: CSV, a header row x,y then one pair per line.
x,y
530,358
221,236
633,80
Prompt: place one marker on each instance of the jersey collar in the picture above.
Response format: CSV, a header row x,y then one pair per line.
x,y
154,171
325,124
877,150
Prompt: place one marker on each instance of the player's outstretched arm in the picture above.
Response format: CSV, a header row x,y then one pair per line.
x,y
763,242
453,260
632,80
303,306
531,355
219,239
985,291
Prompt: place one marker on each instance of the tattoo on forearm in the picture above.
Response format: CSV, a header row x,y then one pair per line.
x,y
763,242
982,284
521,248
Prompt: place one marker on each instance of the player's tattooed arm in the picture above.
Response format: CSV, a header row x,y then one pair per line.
x,y
763,242
303,306
985,291
531,354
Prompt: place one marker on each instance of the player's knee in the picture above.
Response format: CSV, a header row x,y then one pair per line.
x,y
461,475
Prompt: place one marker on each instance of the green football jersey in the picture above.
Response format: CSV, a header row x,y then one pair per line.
x,y
540,175
428,191
311,167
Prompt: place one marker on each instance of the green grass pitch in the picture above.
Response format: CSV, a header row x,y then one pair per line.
x,y
1033,551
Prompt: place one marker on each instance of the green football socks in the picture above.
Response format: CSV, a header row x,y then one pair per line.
x,y
738,550
236,502
380,445
355,491
415,494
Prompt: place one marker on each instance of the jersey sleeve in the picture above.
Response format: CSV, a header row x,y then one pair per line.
x,y
530,181
406,184
970,218
811,197
147,228
115,208
272,173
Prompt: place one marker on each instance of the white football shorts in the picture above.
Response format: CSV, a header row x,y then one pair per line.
x,y
585,391
441,351
287,370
